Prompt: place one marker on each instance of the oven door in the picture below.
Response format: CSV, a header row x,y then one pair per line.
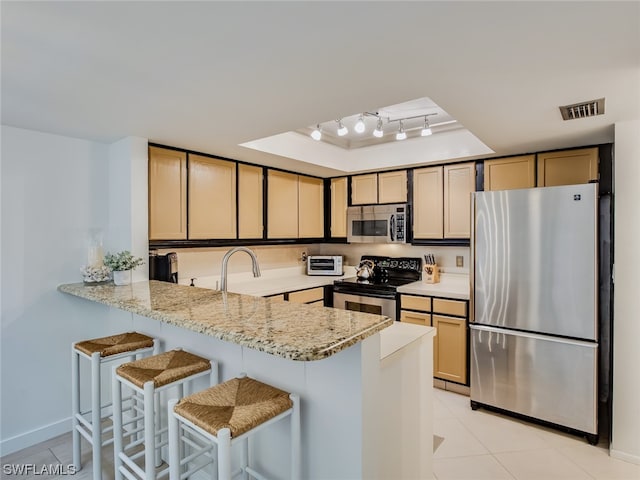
x,y
366,304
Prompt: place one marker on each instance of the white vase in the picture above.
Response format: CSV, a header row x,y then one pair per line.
x,y
122,277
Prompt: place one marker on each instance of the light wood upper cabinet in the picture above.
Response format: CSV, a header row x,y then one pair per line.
x,y
339,202
364,189
428,203
568,167
212,198
250,191
282,205
310,207
392,187
450,348
459,182
167,194
510,173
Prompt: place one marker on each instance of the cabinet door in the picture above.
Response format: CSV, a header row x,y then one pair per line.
x,y
310,207
392,187
569,167
307,296
364,189
212,198
450,349
459,182
510,173
416,318
339,207
250,185
428,203
282,205
167,194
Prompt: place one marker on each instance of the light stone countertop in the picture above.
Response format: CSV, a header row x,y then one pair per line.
x,y
452,285
293,331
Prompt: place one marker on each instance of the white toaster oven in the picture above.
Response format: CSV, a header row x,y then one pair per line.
x,y
324,265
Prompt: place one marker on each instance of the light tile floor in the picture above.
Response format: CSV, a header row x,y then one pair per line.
x,y
482,445
477,445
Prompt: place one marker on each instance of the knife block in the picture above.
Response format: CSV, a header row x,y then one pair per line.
x,y
431,274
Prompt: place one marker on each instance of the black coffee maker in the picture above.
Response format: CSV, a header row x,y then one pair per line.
x,y
163,267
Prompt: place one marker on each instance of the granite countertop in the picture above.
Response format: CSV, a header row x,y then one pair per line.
x,y
452,285
293,331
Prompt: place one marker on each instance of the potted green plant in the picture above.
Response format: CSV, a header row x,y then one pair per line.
x,y
121,264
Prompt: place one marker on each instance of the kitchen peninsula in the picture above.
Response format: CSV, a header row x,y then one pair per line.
x,y
364,380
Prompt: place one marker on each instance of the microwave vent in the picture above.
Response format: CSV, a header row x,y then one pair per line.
x,y
583,109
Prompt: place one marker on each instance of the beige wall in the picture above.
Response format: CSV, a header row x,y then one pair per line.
x,y
626,321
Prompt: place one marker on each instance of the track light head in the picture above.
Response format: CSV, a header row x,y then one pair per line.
x,y
378,133
426,130
359,127
401,135
342,130
317,133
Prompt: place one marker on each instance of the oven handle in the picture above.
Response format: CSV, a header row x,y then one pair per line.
x,y
360,293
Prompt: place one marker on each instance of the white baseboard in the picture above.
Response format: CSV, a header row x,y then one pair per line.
x,y
33,437
624,456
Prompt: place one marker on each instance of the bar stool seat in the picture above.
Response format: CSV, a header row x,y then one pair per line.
x,y
98,351
228,413
147,378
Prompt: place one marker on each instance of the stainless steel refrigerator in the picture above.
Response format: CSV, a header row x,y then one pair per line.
x,y
534,334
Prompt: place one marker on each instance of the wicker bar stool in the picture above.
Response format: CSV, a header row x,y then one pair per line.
x,y
224,415
147,378
98,351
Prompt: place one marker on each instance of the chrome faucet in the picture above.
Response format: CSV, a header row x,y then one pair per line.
x,y
225,260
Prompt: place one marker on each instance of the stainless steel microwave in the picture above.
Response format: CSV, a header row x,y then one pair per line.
x,y
377,224
324,265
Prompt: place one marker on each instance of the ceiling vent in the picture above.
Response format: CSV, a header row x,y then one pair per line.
x,y
583,109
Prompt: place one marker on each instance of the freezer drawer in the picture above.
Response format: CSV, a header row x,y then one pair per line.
x,y
543,377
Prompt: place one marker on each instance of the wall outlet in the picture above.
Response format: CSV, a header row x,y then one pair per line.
x,y
459,261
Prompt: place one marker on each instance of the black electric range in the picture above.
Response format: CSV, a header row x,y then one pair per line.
x,y
389,274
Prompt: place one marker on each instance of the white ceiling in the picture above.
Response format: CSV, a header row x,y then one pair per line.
x,y
210,76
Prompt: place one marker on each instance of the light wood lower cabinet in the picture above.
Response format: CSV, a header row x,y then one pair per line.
x,y
250,190
306,296
417,318
450,348
167,194
510,173
212,198
568,167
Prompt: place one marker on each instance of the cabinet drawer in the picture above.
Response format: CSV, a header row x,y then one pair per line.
x,y
277,298
307,296
319,303
450,307
416,318
415,303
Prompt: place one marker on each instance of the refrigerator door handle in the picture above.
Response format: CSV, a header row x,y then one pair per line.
x,y
536,336
472,259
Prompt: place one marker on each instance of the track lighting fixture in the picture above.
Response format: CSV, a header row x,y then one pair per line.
x,y
342,130
359,127
378,133
401,135
426,130
317,133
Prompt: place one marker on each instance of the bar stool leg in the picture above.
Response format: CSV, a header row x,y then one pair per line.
x,y
149,431
96,416
158,423
244,458
175,445
296,467
75,405
117,424
224,454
